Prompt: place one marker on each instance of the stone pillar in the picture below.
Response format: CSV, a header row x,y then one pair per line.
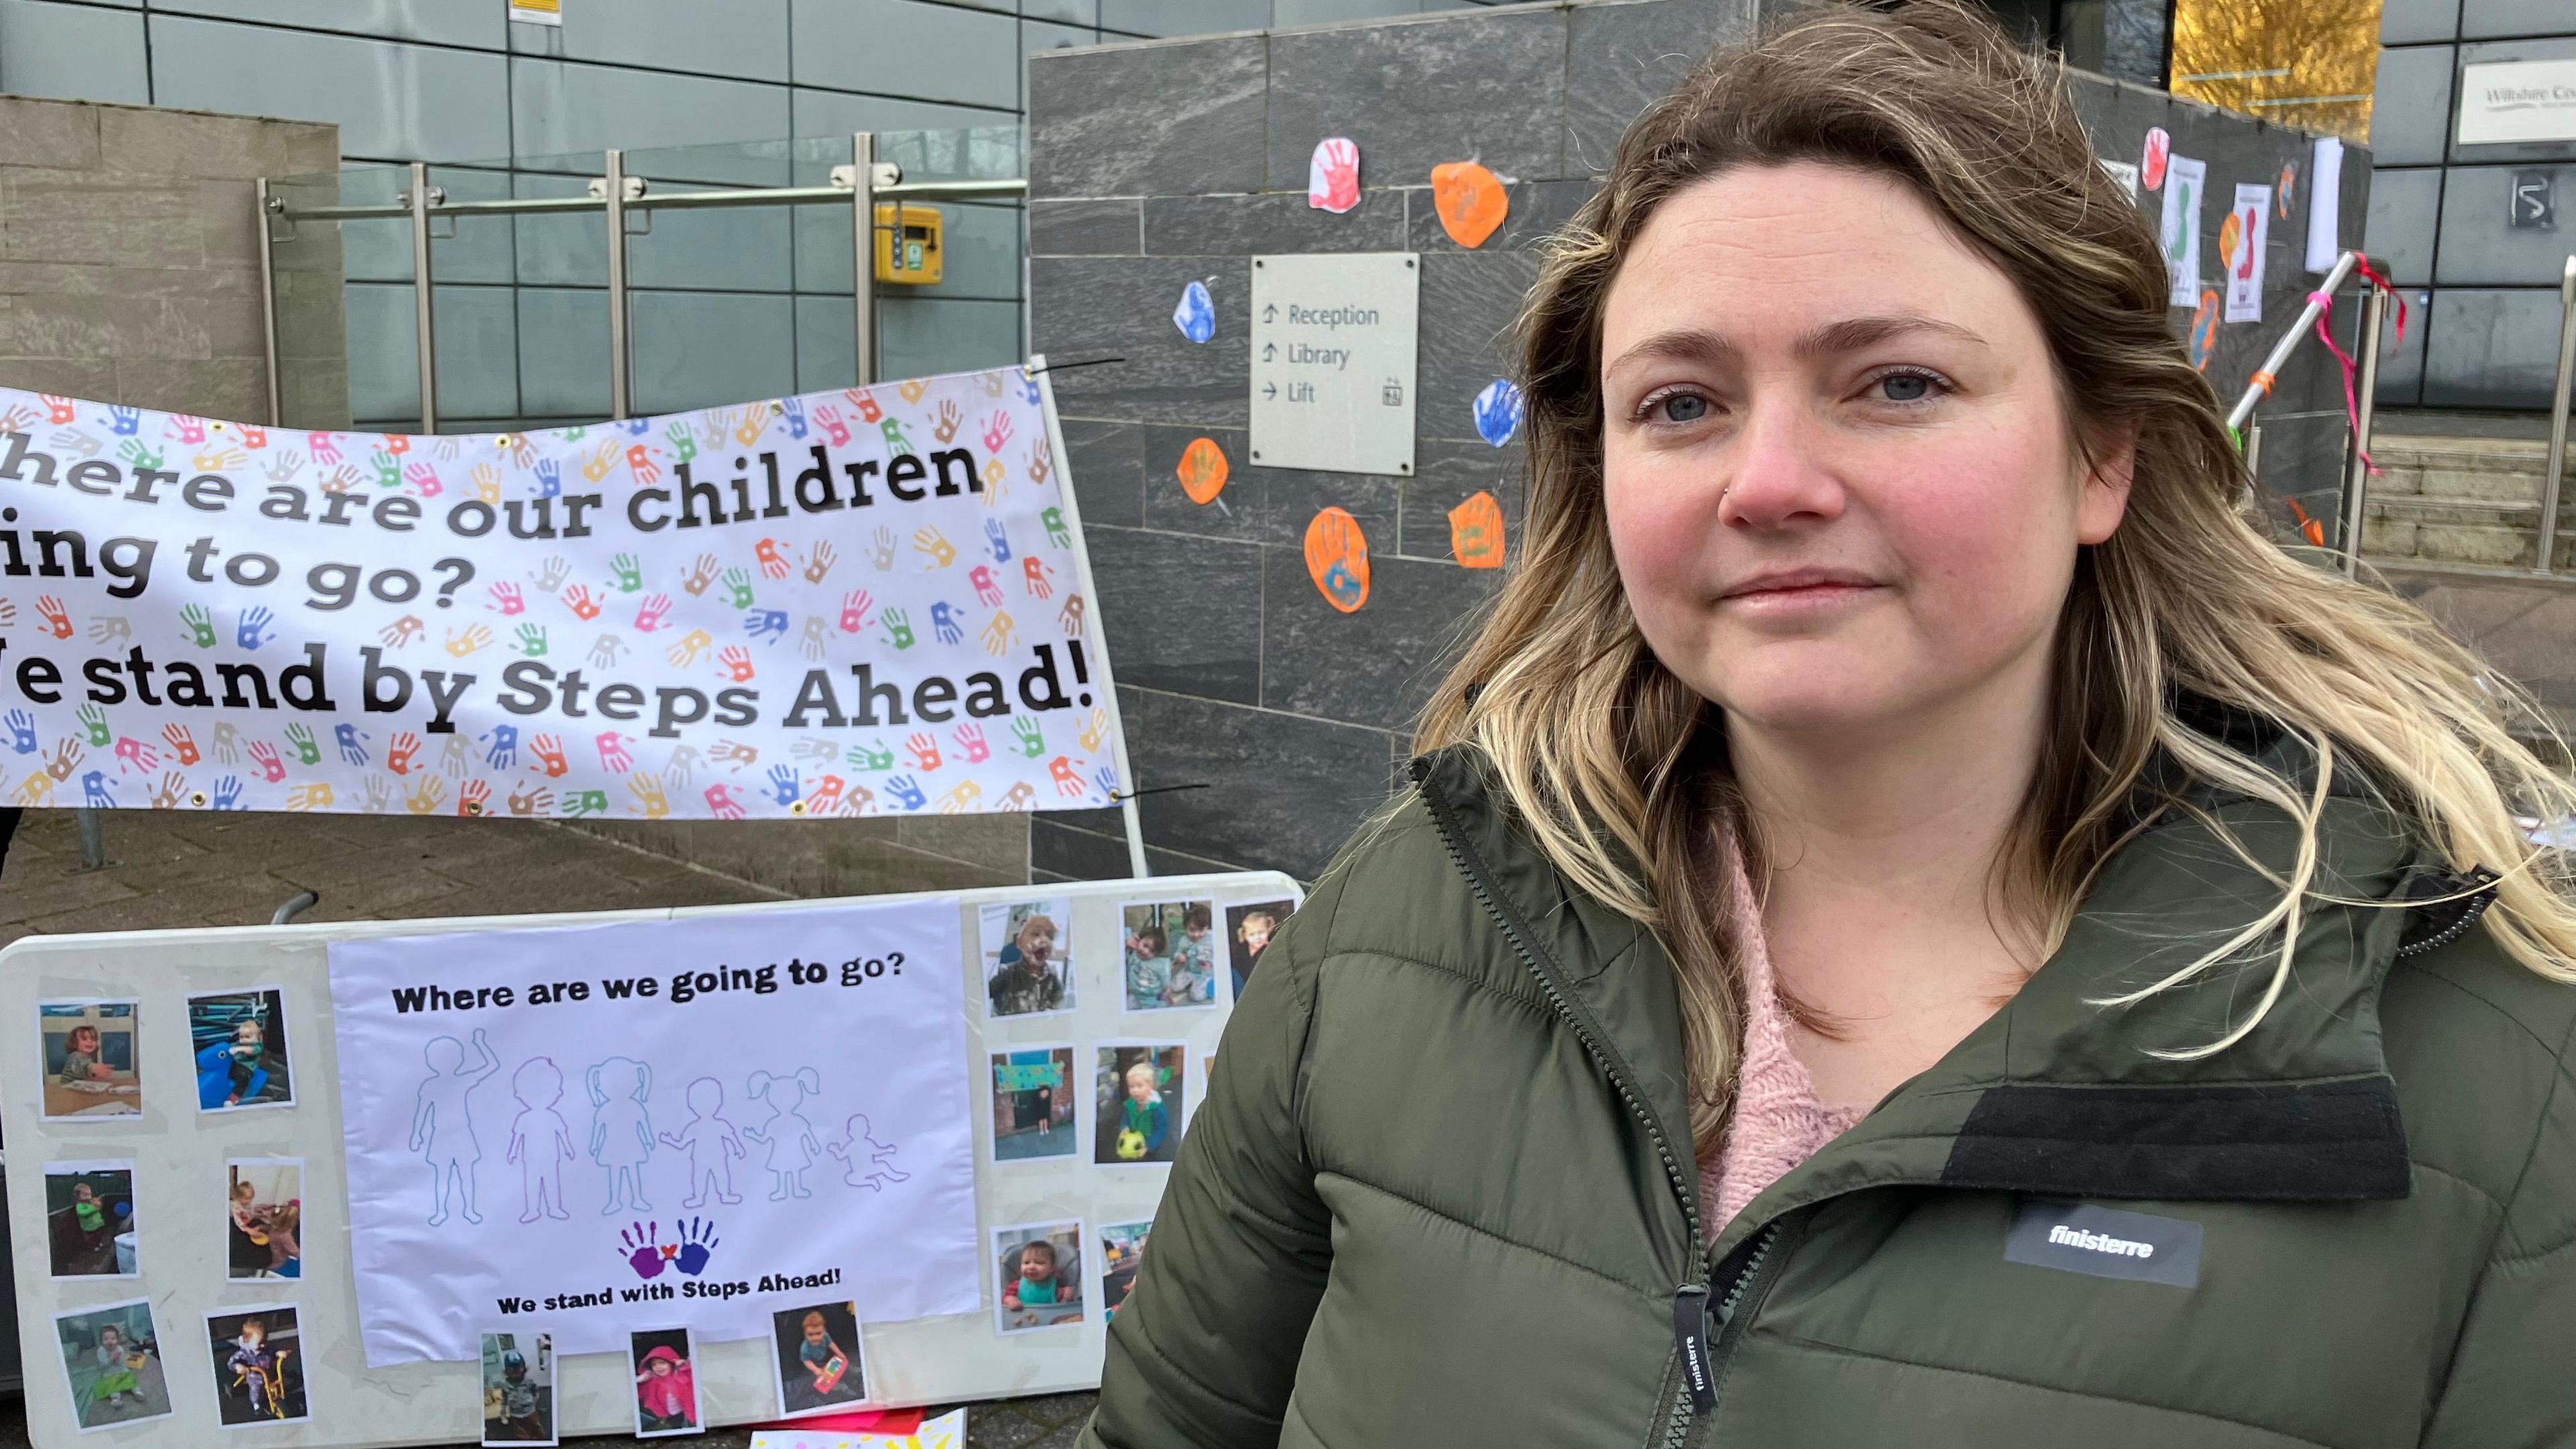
x,y
129,261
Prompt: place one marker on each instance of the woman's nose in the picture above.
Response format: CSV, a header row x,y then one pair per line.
x,y
1783,475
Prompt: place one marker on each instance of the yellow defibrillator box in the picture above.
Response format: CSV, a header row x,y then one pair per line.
x,y
907,244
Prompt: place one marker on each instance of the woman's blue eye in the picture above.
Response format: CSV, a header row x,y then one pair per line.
x,y
1905,387
1685,408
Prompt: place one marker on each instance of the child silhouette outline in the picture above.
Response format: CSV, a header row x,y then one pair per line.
x,y
538,1084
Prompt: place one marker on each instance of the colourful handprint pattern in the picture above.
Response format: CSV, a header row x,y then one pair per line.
x,y
719,614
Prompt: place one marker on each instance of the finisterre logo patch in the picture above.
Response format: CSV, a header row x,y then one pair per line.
x,y
2105,1242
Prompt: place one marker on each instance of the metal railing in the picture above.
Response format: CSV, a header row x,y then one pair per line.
x,y
2554,462
2240,418
859,185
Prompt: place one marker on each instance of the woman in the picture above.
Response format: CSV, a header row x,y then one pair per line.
x,y
1916,924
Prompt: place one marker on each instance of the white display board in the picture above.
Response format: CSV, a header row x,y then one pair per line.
x,y
1101,999
1333,353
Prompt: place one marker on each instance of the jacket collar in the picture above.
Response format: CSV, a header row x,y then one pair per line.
x,y
2055,1095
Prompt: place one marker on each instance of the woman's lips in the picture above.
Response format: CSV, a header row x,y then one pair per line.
x,y
1804,591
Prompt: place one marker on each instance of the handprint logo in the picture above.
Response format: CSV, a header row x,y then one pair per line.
x,y
697,1241
637,1246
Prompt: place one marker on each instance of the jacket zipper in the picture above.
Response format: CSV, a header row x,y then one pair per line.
x,y
1690,1300
2479,883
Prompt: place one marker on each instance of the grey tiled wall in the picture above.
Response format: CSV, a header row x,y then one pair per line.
x,y
452,81
1262,722
2486,293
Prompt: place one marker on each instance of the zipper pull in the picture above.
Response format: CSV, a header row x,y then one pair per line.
x,y
1690,1335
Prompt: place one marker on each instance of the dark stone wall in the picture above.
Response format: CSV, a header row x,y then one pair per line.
x,y
1153,165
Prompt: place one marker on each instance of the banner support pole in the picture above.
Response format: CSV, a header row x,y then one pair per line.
x,y
613,192
863,258
421,287
1136,867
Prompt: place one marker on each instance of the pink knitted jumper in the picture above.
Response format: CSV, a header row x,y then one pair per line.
x,y
1778,1122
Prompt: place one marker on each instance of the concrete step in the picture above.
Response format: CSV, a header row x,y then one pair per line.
x,y
2463,501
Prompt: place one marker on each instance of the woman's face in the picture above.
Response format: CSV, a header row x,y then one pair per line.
x,y
1840,484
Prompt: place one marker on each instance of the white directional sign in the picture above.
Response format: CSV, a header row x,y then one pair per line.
x,y
1333,361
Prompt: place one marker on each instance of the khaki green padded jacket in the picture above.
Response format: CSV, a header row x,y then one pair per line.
x,y
1442,1192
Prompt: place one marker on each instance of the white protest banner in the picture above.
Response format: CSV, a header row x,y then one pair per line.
x,y
2184,181
587,1130
858,603
2243,239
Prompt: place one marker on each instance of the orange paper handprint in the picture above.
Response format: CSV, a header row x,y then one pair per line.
x,y
1470,199
1202,470
1337,559
1476,532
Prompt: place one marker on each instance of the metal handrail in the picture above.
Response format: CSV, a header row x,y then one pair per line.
x,y
2257,390
858,186
647,200
2555,466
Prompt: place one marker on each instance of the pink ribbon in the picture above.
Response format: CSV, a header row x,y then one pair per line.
x,y
2351,400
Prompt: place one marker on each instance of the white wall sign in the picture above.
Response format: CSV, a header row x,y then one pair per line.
x,y
2517,100
1333,343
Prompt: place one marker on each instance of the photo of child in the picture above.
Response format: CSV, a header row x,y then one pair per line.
x,y
666,1395
259,1367
112,1363
1247,935
1136,1105
1027,951
89,1219
1033,1104
239,1041
518,1388
1170,954
1122,1252
89,1060
1039,1269
817,1353
264,1200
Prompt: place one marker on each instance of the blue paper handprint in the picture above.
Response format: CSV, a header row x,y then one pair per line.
x,y
549,478
228,792
906,792
1000,538
350,748
766,623
22,732
796,419
254,630
783,785
125,422
97,791
697,1240
1498,411
505,746
943,621
1196,316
